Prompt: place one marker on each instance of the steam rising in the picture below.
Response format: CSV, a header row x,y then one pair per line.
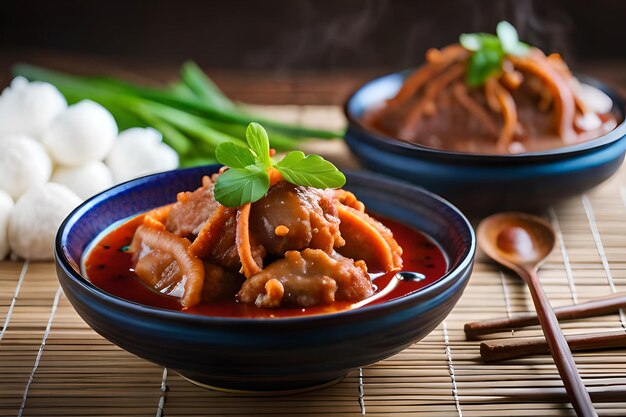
x,y
392,33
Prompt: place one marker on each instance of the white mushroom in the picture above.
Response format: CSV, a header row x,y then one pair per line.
x,y
28,108
35,218
6,204
85,180
83,133
24,163
139,151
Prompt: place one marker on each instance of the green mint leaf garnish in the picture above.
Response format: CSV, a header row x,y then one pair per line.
x,y
247,180
510,39
470,41
259,142
239,186
520,49
507,35
485,62
310,171
489,51
234,156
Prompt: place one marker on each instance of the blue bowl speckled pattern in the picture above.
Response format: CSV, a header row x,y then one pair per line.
x,y
477,183
265,354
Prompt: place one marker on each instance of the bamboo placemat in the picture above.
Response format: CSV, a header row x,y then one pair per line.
x,y
52,364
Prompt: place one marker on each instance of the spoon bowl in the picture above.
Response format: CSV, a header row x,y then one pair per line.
x,y
516,239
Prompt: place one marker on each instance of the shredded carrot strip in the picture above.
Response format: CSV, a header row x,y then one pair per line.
x,y
348,199
440,60
208,236
445,55
161,213
511,78
275,176
249,266
509,112
564,105
441,82
490,97
156,218
153,223
560,66
412,85
396,249
427,103
460,92
545,100
376,241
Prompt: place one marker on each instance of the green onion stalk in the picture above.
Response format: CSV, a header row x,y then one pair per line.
x,y
193,115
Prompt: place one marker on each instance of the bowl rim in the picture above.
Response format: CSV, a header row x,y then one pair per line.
x,y
396,145
428,292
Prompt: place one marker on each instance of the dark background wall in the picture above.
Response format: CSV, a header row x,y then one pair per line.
x,y
302,34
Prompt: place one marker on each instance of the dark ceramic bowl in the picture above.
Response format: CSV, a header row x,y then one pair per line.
x,y
479,183
267,355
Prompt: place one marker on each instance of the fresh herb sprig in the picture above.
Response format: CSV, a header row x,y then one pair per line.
x,y
488,51
248,180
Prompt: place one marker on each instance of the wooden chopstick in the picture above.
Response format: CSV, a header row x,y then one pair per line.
x,y
597,307
599,394
493,351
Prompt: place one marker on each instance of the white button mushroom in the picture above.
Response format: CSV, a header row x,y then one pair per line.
x,y
24,163
85,180
6,204
28,108
35,218
84,132
139,151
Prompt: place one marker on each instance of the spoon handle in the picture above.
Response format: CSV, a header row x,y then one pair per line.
x,y
561,353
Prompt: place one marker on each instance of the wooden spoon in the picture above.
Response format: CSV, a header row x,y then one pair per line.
x,y
521,242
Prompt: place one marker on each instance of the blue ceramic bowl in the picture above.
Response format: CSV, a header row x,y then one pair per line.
x,y
479,183
265,355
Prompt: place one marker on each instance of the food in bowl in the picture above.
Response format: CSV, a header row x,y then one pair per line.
x,y
494,95
262,239
273,355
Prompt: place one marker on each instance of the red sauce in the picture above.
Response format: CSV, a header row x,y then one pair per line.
x,y
109,267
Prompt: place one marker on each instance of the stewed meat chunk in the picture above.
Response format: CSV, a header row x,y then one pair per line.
x,y
310,277
192,209
292,217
